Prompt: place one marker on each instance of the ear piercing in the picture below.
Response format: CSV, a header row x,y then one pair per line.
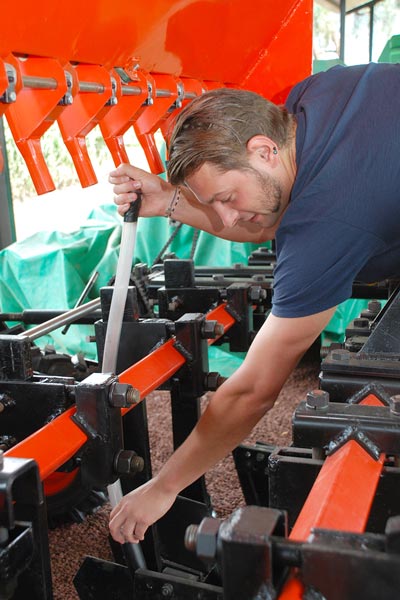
x,y
274,150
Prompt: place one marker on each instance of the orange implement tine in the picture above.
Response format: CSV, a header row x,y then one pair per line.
x,y
152,117
340,498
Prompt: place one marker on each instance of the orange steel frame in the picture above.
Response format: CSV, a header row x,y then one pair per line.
x,y
65,66
57,442
340,499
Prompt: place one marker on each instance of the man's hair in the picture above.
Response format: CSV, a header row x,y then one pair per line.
x,y
216,126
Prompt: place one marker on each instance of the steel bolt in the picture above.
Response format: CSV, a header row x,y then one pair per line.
x,y
395,404
257,293
317,400
190,537
211,329
123,395
167,590
218,278
213,380
127,462
361,323
1,459
341,355
203,538
392,531
374,306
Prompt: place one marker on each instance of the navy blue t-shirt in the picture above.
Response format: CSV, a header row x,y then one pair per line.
x,y
343,219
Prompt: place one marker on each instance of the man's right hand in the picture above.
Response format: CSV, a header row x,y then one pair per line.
x,y
138,510
156,193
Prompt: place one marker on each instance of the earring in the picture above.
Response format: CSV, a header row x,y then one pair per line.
x,y
274,150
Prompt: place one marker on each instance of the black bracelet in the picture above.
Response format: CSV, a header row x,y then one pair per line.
x,y
175,199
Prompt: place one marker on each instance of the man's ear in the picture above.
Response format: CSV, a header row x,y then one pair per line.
x,y
262,147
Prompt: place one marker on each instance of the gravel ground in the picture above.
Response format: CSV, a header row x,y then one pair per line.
x,y
69,544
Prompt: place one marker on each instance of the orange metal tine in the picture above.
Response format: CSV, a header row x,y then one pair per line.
x,y
152,117
191,89
118,120
88,108
340,499
34,111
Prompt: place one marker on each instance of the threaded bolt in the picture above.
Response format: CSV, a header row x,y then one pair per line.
x,y
361,323
395,404
191,537
132,396
341,355
317,400
167,590
374,306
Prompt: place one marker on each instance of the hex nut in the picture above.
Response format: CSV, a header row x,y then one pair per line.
x,y
340,355
208,329
361,323
395,404
213,380
123,395
317,400
207,538
127,462
256,293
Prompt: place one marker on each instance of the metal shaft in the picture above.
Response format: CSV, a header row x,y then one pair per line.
x,y
68,317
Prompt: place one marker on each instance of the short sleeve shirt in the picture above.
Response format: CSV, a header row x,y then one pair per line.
x,y
343,219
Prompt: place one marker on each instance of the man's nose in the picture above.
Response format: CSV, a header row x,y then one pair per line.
x,y
229,216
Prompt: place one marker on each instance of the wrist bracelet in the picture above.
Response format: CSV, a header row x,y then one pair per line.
x,y
175,199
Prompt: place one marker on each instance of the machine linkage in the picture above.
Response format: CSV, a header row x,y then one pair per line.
x,y
295,534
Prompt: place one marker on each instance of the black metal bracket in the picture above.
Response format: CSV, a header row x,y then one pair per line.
x,y
24,554
102,423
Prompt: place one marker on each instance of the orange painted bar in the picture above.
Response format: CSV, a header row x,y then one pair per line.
x,y
52,445
150,372
55,443
340,499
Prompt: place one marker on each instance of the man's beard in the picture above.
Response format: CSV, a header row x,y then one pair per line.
x,y
270,191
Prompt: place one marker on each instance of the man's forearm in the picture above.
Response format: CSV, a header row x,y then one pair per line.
x,y
227,420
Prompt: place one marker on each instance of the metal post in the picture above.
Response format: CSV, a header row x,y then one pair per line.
x,y
7,223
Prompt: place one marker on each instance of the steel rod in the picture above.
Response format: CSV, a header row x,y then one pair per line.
x,y
68,317
50,83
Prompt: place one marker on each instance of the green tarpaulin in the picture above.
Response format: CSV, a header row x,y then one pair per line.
x,y
50,269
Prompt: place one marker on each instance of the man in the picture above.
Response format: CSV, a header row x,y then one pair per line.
x,y
322,177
